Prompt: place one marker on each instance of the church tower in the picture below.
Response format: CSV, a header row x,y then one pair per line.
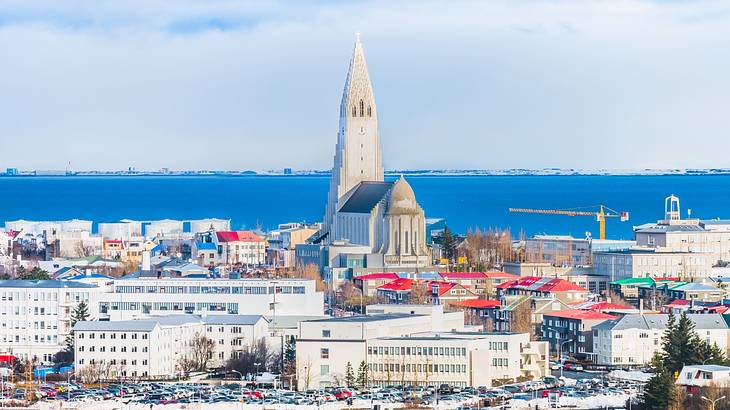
x,y
357,154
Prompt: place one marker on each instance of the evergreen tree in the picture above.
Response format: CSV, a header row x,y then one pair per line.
x,y
448,244
290,351
349,375
679,343
659,392
79,314
362,375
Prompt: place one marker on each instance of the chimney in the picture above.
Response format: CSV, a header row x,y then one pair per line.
x,y
146,263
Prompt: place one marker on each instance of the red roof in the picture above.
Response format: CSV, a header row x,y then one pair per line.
x,y
480,303
442,287
541,284
237,236
462,275
400,284
718,309
377,275
580,315
679,302
501,275
600,306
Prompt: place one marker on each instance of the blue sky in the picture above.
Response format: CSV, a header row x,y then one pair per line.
x,y
256,85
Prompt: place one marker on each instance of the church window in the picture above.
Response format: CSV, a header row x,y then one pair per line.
x,y
362,108
354,111
370,111
406,235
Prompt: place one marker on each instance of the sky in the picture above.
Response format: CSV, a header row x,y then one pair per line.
x,y
235,85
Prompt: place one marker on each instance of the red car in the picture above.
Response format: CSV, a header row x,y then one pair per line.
x,y
342,394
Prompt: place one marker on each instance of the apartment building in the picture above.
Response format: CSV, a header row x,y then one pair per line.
x,y
325,346
454,358
133,298
540,287
146,349
571,331
240,248
233,334
35,315
657,263
632,340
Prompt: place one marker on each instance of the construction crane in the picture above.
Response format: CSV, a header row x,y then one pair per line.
x,y
601,214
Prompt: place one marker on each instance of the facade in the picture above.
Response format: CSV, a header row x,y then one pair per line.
x,y
35,316
478,283
146,349
363,209
324,347
642,263
240,248
571,331
138,297
233,334
544,287
455,358
632,340
695,377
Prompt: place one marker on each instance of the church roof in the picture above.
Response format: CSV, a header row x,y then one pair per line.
x,y
402,198
367,194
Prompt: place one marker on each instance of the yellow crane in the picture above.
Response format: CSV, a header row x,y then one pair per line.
x,y
601,214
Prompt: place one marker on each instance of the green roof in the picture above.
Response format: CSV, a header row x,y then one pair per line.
x,y
633,281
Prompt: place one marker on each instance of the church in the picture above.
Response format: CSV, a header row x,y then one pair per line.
x,y
368,223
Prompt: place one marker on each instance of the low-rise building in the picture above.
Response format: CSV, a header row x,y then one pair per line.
x,y
240,248
35,315
233,334
544,287
632,340
571,331
694,377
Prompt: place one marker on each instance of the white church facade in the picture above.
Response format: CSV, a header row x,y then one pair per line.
x,y
375,220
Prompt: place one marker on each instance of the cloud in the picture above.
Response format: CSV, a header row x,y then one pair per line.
x,y
256,85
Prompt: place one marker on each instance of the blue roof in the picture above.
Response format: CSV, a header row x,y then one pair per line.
x,y
44,284
205,246
89,276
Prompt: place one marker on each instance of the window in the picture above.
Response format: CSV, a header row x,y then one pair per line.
x,y
326,333
362,108
324,353
324,370
354,111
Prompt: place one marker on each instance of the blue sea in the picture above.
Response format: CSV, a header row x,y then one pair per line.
x,y
465,201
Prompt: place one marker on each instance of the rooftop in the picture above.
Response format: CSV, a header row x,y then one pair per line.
x,y
366,195
706,321
541,284
43,284
232,319
580,315
365,318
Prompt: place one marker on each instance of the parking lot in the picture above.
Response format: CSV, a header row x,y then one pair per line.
x,y
545,393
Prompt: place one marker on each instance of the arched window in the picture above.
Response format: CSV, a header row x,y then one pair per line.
x,y
354,110
362,108
407,250
370,111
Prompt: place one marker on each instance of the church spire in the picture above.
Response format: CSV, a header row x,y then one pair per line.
x,y
358,86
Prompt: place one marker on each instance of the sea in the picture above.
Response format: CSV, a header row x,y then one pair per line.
x,y
464,201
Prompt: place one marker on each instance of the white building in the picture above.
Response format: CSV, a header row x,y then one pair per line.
x,y
362,208
233,334
645,262
148,349
141,296
633,339
705,375
35,315
240,248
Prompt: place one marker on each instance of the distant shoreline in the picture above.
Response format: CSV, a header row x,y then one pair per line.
x,y
392,173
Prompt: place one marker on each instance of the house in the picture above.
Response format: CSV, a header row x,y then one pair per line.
x,y
571,331
632,340
206,253
240,248
479,311
697,292
442,293
544,287
478,283
628,288
369,283
233,334
694,377
396,291
535,307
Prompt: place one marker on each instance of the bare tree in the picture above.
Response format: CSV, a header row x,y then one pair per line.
x,y
201,349
83,251
419,293
521,320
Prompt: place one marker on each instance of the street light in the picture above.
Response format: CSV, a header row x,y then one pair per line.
x,y
713,402
239,373
257,372
560,355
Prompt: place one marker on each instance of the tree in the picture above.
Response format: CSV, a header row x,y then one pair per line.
x,y
448,244
659,392
349,375
34,274
79,314
521,319
362,375
258,352
201,349
419,293
311,271
678,343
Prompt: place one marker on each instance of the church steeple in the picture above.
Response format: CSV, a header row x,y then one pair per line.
x,y
357,154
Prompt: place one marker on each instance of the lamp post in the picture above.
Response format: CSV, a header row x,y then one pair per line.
x,y
560,355
257,372
712,402
239,373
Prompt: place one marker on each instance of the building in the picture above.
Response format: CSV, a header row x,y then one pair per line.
x,y
696,292
571,331
362,208
149,295
35,315
284,240
233,334
147,349
544,287
240,248
478,283
325,346
647,262
370,282
632,340
628,288
455,358
694,377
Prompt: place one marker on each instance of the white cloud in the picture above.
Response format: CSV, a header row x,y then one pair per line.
x,y
220,85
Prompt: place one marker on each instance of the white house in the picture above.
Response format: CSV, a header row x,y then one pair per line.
x,y
633,339
233,334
